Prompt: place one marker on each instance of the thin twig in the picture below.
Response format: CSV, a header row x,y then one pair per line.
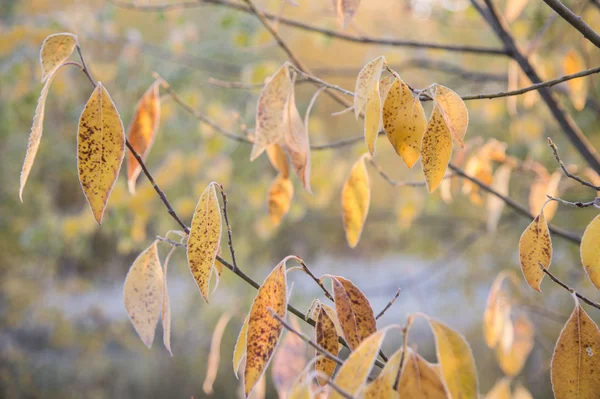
x,y
173,243
577,204
315,279
230,240
389,305
566,171
398,183
571,290
405,330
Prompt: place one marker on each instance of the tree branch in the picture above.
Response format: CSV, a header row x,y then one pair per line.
x,y
575,21
389,305
566,171
571,290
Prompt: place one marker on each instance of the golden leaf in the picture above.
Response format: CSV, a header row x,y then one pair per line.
x,y
590,251
288,362
542,186
512,359
480,167
142,131
419,380
280,198
204,240
383,386
239,351
372,117
436,150
270,110
535,247
500,390
497,310
214,356
278,159
456,361
578,88
100,149
453,110
55,50
264,330
295,137
327,337
367,79
575,366
143,292
345,314
356,197
494,204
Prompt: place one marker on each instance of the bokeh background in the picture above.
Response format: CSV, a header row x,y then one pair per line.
x,y
64,331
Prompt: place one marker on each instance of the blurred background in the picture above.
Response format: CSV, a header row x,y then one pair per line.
x,y
64,331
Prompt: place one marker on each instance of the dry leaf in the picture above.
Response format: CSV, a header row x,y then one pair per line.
x,y
295,137
239,351
576,360
511,359
214,356
436,150
368,77
495,205
143,292
590,251
55,50
204,240
280,198
270,111
500,390
345,10
327,337
419,380
166,306
480,167
454,111
288,362
497,310
264,330
372,117
278,159
302,389
100,149
535,247
142,132
542,186
356,197
383,386
578,88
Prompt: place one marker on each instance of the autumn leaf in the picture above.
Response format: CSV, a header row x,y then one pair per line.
x,y
143,293
590,251
512,359
239,351
372,117
436,150
578,88
543,186
278,159
142,131
419,380
270,111
495,205
288,362
204,240
100,149
383,386
497,310
280,198
453,110
356,197
264,330
514,8
302,389
295,137
575,369
535,247
166,305
345,10
500,390
55,50
214,356
326,336
521,392
367,79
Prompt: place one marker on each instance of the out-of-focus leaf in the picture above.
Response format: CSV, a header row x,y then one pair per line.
x,y
367,79
142,131
288,362
345,10
239,351
521,392
356,197
214,356
100,149
514,8
494,204
575,366
419,380
143,292
55,50
480,167
278,159
372,117
166,306
497,310
383,386
578,88
436,150
590,251
500,390
542,186
327,337
512,359
454,111
535,247
295,137
280,198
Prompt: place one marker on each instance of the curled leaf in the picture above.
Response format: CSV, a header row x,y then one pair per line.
x,y
368,77
280,198
100,149
143,292
535,247
356,197
214,356
590,251
239,351
55,50
436,150
295,137
454,111
373,117
419,379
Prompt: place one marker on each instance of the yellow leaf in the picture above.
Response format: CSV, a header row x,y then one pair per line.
x,y
239,351
495,205
590,251
456,361
327,337
521,393
365,319
278,159
345,314
204,240
166,306
264,330
100,149
512,359
280,198
333,316
355,370
214,356
345,10
373,117
500,390
142,131
542,186
576,360
143,292
295,137
497,310
419,380
480,167
383,386
578,88
270,110
55,50
454,111
367,79
535,247
288,362
302,389
356,197
436,150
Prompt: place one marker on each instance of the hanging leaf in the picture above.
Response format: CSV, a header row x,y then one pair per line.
x,y
280,198
500,390
356,197
576,360
495,205
204,240
142,132
278,159
512,356
383,386
239,351
373,117
100,149
295,137
542,186
354,372
497,310
456,361
578,88
590,251
436,150
166,306
366,81
454,111
55,50
535,247
419,380
288,362
214,356
270,111
143,292
264,330
345,314
327,337
345,10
